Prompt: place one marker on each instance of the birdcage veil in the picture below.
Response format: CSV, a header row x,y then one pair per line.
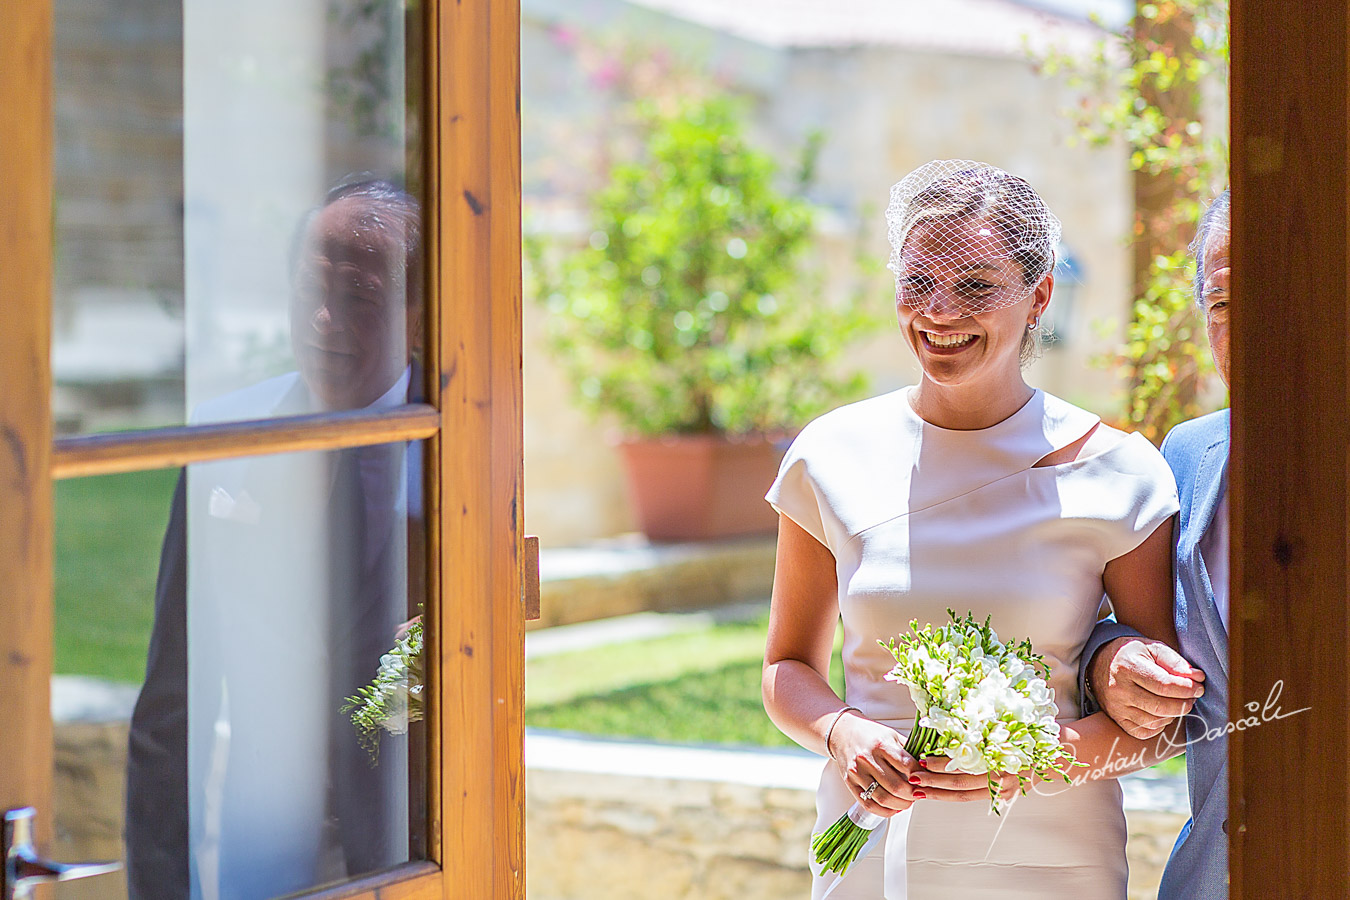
x,y
968,212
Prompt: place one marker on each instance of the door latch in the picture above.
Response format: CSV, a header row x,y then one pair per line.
x,y
24,869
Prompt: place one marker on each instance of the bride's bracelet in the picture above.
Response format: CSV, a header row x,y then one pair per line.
x,y
830,733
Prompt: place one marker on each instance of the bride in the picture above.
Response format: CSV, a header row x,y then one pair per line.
x,y
975,492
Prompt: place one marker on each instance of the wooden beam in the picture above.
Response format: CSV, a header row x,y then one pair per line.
x,y
25,423
475,155
1289,821
164,448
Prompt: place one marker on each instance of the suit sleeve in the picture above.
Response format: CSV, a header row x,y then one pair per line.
x,y
1106,631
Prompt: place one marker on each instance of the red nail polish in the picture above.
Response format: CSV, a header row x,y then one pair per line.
x,y
914,779
919,795
924,763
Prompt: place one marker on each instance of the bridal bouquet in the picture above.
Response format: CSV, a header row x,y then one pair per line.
x,y
982,703
394,698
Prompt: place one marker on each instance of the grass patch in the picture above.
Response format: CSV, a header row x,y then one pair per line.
x,y
108,535
695,687
720,705
1174,766
551,680
699,686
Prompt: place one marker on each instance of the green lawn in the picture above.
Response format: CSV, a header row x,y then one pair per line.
x,y
716,706
700,686
108,534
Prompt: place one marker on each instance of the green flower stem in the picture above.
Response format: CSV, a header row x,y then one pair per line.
x,y
922,742
838,846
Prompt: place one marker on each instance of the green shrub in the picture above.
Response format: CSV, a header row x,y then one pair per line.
x,y
692,309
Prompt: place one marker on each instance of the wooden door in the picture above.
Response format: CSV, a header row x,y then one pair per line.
x,y
470,423
1289,751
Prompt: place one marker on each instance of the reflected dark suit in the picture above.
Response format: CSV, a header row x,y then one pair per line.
x,y
362,530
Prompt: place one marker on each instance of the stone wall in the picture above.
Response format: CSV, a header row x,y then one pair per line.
x,y
622,577
607,837
734,831
624,837
88,791
118,109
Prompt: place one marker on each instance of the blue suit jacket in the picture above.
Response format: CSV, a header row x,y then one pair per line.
x,y
1197,451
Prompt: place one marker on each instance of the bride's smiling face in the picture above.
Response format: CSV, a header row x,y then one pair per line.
x,y
963,302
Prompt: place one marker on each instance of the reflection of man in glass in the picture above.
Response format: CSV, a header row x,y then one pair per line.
x,y
282,581
358,260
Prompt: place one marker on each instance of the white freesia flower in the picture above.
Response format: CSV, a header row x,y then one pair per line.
x,y
1017,705
966,757
1040,693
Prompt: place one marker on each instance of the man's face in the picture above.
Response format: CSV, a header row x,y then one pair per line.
x,y
1216,298
349,326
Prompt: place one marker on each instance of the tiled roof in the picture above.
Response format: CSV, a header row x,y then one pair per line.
x,y
985,27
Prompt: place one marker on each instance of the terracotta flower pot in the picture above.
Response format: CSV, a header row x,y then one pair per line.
x,y
697,487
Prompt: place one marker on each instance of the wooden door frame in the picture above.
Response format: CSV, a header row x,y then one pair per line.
x,y
473,425
25,406
1289,799
474,59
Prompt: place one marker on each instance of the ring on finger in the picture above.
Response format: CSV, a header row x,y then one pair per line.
x,y
869,791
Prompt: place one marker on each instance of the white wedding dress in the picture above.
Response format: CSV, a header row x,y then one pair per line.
x,y
921,519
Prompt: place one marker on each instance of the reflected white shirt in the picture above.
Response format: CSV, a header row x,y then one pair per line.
x,y
396,395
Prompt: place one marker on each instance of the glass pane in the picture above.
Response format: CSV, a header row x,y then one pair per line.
x,y
281,588
198,148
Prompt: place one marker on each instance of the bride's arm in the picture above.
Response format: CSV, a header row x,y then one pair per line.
x,y
1109,752
796,688
1144,684
1141,589
1140,586
1098,742
802,615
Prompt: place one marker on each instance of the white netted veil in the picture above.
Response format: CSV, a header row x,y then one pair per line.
x,y
974,211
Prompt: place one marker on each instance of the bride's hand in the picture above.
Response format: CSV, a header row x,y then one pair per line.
x,y
957,787
865,752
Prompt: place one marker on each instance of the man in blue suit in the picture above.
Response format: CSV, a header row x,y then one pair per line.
x,y
1144,685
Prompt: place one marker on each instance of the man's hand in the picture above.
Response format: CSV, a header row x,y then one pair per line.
x,y
1143,685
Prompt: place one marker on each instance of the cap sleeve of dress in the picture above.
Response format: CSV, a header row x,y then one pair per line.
x,y
794,492
1134,490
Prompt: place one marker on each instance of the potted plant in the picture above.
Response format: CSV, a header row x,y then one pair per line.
x,y
692,316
